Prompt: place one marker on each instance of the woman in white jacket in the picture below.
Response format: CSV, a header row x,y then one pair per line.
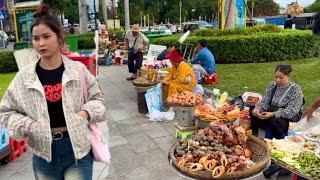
x,y
45,103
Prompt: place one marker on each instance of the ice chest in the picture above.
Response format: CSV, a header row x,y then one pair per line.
x,y
184,116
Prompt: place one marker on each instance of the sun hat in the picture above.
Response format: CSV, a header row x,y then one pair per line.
x,y
135,28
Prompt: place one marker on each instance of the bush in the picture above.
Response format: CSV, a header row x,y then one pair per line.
x,y
7,62
260,47
116,32
251,30
86,43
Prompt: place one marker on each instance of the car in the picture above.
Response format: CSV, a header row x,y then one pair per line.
x,y
204,24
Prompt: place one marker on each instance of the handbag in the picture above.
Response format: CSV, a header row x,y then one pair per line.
x,y
99,147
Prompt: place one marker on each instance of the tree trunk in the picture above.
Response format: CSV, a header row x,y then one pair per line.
x,y
231,12
104,10
126,12
83,20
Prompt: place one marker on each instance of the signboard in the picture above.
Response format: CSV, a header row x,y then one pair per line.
x,y
24,19
240,14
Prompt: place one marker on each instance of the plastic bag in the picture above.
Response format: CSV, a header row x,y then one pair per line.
x,y
304,125
157,115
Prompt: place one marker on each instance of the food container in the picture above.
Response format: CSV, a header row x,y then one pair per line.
x,y
312,136
294,139
310,146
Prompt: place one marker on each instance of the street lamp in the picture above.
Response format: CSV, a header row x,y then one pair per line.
x,y
180,5
144,21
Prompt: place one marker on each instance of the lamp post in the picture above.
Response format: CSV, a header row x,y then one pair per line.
x,y
113,15
180,5
144,21
193,10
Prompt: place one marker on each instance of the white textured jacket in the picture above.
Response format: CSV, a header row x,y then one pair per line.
x,y
25,102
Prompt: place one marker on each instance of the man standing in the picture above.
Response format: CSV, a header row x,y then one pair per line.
x,y
135,42
203,61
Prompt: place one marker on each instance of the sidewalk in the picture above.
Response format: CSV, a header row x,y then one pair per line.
x,y
138,147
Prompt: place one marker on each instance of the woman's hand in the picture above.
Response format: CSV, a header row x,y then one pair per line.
x,y
256,112
266,115
32,125
165,81
84,114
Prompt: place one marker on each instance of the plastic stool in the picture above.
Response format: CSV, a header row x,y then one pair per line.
x,y
211,79
183,134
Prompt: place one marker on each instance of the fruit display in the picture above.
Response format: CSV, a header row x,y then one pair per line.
x,y
217,150
142,81
186,98
156,64
298,154
312,136
227,112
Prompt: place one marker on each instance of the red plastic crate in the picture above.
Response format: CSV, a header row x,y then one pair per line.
x,y
17,148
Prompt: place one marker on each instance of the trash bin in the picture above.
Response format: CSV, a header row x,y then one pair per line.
x,y
72,42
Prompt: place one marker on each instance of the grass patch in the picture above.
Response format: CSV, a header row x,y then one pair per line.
x,y
254,77
5,80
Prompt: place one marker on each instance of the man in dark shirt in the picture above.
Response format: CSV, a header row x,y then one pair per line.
x,y
163,54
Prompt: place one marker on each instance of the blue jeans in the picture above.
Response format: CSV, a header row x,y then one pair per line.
x,y
63,164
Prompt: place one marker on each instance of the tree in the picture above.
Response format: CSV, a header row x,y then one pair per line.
x,y
264,7
127,19
83,16
314,7
163,10
58,7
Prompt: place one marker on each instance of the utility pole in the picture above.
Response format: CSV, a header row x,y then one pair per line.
x,y
113,15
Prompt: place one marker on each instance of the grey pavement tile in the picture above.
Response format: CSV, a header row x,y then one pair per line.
x,y
123,98
154,130
119,114
129,129
120,154
141,119
141,143
114,130
165,143
100,170
21,176
169,126
117,141
113,106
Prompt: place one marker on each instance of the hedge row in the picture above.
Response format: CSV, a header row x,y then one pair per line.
x,y
266,47
248,31
7,63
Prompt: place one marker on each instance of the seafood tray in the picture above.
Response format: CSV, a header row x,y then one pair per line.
x,y
260,157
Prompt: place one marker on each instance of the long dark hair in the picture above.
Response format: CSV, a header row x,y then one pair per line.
x,y
311,108
43,16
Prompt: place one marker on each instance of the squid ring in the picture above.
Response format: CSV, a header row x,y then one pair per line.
x,y
231,170
224,160
218,171
203,160
196,167
210,164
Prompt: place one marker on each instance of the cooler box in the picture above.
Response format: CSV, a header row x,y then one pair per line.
x,y
4,145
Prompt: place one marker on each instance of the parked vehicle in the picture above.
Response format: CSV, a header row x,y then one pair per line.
x,y
204,24
304,21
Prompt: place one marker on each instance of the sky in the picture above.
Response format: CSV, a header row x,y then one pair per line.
x,y
303,3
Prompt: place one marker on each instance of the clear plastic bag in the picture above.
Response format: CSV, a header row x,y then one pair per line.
x,y
307,125
157,115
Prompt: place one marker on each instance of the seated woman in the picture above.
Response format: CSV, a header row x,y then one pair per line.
x,y
281,103
181,78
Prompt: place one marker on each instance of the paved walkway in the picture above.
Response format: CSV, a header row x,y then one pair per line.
x,y
138,147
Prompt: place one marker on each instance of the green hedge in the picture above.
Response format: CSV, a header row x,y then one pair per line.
x,y
7,62
86,43
248,31
261,47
